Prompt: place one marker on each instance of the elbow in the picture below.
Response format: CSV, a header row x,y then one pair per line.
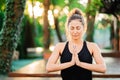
x,y
48,69
103,69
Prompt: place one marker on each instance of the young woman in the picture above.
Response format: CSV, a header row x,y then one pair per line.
x,y
76,55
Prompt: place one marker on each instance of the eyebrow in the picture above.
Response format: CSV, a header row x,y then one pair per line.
x,y
75,26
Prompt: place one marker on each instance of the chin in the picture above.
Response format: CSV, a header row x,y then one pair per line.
x,y
76,38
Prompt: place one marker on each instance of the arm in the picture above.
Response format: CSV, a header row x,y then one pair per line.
x,y
52,64
99,66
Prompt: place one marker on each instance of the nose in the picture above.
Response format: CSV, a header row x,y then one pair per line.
x,y
75,31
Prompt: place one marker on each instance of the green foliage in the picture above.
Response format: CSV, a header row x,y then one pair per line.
x,y
60,3
2,5
39,35
75,4
39,0
9,35
1,19
93,6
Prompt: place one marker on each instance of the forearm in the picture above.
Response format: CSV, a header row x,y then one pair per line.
x,y
57,67
93,67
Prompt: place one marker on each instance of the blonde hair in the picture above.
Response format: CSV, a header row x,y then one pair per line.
x,y
75,14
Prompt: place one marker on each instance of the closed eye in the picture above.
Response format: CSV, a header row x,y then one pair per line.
x,y
72,28
78,27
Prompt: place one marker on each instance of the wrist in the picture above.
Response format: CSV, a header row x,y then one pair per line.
x,y
72,63
78,63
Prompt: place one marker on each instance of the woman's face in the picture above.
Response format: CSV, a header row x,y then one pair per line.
x,y
76,29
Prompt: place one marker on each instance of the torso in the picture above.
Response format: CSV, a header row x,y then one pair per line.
x,y
75,72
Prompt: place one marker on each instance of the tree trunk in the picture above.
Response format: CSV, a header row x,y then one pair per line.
x,y
117,38
115,35
27,39
57,29
46,24
90,27
10,33
112,36
118,32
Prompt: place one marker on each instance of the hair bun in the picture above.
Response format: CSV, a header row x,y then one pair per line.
x,y
76,11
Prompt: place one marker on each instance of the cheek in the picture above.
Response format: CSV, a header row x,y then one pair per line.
x,y
81,30
70,32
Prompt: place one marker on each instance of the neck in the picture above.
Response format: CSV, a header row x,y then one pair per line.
x,y
77,41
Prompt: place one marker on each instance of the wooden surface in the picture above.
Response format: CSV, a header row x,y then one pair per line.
x,y
110,53
58,75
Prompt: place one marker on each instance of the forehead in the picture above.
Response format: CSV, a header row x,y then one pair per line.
x,y
75,23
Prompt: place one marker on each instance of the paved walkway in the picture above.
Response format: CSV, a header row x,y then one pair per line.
x,y
38,67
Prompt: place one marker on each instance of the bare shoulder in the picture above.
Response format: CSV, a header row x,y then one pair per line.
x,y
92,44
60,46
93,47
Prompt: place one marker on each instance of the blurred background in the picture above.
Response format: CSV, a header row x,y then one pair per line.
x,y
42,25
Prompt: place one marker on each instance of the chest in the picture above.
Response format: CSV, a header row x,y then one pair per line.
x,y
84,56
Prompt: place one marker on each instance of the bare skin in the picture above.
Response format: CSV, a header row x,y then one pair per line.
x,y
76,31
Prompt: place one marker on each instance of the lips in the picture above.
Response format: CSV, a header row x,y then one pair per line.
x,y
75,35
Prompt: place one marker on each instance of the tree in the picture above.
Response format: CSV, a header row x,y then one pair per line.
x,y
113,7
60,5
2,8
46,29
9,35
92,8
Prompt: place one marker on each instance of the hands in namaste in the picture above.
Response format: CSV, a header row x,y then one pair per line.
x,y
75,59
